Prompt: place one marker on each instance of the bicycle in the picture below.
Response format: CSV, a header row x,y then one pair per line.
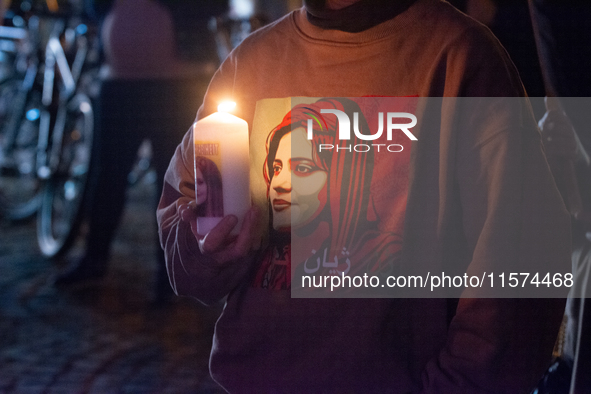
x,y
19,188
58,108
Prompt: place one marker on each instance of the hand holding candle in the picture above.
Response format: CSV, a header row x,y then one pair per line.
x,y
227,253
222,169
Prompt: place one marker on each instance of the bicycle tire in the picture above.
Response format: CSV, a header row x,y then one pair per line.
x,y
64,194
20,188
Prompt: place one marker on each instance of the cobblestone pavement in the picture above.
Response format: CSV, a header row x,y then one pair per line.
x,y
103,337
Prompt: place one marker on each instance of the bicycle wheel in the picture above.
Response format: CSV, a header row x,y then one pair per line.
x,y
63,197
19,133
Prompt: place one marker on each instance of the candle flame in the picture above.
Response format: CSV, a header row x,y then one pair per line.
x,y
226,106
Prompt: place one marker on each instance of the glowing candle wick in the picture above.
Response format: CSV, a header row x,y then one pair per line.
x,y
226,106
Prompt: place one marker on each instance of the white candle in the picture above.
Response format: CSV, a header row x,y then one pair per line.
x,y
222,169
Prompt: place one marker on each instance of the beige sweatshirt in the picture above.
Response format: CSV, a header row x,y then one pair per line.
x,y
480,195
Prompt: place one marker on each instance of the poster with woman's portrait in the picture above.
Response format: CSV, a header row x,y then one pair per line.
x,y
327,211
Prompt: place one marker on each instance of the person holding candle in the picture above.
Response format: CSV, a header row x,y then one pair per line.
x,y
479,192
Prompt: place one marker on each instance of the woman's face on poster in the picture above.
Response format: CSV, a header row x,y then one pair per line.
x,y
201,187
297,189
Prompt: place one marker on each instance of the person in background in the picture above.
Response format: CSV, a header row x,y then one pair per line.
x,y
563,37
159,56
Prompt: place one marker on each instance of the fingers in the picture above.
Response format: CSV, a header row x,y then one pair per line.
x,y
248,234
217,238
223,247
187,211
188,214
193,224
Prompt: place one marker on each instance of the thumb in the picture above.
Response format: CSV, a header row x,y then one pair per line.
x,y
216,239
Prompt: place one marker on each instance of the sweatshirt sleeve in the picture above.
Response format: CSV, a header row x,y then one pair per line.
x,y
513,220
191,273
